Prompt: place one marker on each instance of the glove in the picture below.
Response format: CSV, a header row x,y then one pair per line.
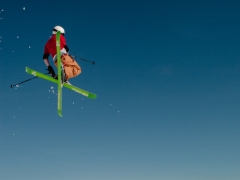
x,y
51,71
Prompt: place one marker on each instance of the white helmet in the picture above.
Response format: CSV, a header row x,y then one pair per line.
x,y
58,28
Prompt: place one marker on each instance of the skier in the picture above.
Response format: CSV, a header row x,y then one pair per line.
x,y
70,66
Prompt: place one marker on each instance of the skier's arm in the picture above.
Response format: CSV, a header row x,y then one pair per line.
x,y
63,42
46,54
46,62
50,69
67,48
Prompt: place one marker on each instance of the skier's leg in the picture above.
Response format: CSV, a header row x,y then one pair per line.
x,y
71,67
63,73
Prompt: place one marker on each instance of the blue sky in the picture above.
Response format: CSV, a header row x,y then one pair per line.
x,y
167,76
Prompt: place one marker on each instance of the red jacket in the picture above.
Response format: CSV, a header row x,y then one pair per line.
x,y
50,47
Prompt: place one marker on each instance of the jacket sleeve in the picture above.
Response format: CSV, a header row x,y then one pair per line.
x,y
63,42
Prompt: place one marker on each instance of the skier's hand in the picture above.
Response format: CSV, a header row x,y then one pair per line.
x,y
51,71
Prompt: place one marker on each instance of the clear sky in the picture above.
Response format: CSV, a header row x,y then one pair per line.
x,y
167,77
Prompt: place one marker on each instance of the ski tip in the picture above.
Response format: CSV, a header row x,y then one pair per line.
x,y
92,96
60,113
28,70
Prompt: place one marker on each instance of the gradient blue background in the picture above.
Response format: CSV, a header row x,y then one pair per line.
x,y
167,76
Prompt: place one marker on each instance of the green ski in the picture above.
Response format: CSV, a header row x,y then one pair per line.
x,y
71,87
59,66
